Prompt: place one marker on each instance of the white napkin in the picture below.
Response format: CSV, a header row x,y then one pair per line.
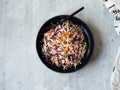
x,y
114,7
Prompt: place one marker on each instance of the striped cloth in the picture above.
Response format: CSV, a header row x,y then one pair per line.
x,y
114,7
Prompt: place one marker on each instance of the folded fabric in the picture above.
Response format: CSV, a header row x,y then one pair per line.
x,y
114,7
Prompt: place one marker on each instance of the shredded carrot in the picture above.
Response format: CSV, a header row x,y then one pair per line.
x,y
65,49
64,36
54,42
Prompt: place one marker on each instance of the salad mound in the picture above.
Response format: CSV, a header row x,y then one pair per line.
x,y
65,45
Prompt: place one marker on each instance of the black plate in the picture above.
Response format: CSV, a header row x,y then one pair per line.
x,y
88,35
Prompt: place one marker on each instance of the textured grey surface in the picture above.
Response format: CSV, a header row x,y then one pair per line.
x,y
20,66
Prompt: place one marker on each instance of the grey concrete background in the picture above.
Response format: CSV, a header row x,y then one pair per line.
x,y
20,66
